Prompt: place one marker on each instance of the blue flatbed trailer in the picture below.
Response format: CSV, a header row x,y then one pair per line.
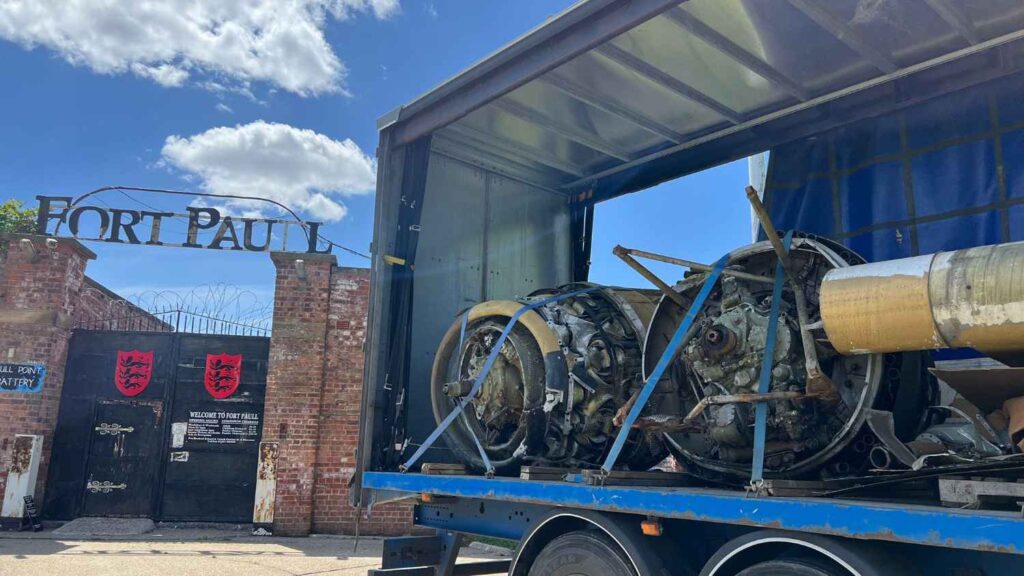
x,y
895,128
937,540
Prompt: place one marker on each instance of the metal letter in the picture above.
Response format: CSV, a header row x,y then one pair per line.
x,y
44,215
222,233
154,231
314,234
194,226
77,213
118,225
247,235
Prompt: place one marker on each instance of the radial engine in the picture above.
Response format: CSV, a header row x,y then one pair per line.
x,y
848,342
561,375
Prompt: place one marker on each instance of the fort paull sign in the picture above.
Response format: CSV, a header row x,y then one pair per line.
x,y
205,227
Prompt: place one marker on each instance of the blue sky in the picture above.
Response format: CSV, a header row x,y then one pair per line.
x,y
138,98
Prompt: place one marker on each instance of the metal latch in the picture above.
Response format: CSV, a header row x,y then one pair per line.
x,y
113,429
105,487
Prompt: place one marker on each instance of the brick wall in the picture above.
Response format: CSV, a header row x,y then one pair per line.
x,y
44,293
38,297
319,331
314,385
294,384
102,309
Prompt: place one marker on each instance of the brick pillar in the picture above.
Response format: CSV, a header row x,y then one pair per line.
x,y
314,392
295,382
39,289
340,404
340,412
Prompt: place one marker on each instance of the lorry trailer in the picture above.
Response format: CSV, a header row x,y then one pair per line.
x,y
896,139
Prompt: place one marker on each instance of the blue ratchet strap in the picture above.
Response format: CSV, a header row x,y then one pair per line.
x,y
495,350
666,358
763,385
465,420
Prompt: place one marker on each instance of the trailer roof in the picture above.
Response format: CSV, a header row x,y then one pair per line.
x,y
616,96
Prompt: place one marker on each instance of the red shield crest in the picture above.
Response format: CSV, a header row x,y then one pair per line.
x,y
133,372
223,372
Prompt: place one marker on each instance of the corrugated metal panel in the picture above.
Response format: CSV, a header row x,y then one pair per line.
x,y
610,87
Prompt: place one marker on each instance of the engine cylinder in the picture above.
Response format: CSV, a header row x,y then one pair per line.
x,y
557,382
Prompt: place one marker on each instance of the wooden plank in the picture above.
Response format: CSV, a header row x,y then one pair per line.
x,y
961,492
443,469
544,473
923,489
634,478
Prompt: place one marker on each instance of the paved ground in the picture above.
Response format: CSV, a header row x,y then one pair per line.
x,y
191,552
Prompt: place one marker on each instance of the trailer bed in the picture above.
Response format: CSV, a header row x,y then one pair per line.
x,y
980,530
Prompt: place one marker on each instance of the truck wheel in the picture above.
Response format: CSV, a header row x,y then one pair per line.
x,y
789,568
584,553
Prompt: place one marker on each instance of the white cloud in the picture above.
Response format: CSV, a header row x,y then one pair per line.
x,y
163,74
222,107
170,41
302,169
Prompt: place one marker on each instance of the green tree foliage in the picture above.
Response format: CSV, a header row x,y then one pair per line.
x,y
15,219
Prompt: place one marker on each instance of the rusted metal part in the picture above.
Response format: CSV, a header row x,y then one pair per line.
x,y
690,264
621,413
971,298
21,455
21,475
669,423
667,290
818,383
266,488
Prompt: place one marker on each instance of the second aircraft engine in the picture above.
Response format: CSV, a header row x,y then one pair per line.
x,y
722,356
553,392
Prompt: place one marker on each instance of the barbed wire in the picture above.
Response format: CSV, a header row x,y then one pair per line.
x,y
220,300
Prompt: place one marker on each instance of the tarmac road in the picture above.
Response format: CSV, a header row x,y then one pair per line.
x,y
168,554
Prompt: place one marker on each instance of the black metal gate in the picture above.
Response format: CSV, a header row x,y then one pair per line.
x,y
120,468
171,451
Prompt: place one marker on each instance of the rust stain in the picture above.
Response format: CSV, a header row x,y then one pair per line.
x,y
268,461
21,457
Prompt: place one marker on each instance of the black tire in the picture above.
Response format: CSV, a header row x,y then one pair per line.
x,y
584,553
789,568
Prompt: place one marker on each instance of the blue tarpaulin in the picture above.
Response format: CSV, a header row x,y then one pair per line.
x,y
943,175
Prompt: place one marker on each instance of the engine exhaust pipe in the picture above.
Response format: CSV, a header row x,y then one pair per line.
x,y
971,298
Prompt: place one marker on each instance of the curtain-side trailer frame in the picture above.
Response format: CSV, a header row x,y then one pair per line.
x,y
612,97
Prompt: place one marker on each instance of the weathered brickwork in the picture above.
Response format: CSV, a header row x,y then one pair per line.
x,y
314,384
319,332
101,309
44,293
39,290
294,384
